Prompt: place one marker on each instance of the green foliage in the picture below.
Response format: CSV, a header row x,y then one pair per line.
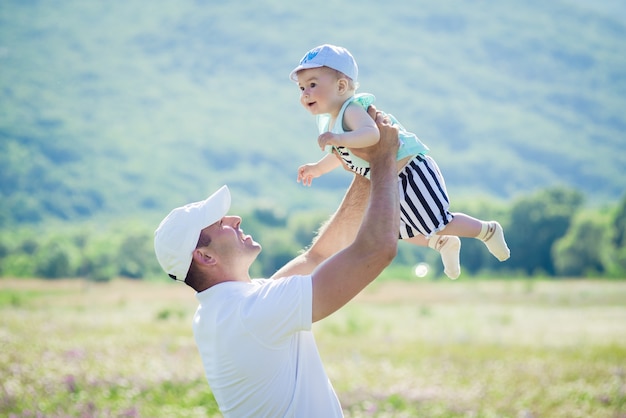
x,y
84,250
537,222
586,248
617,267
122,109
548,234
619,224
304,226
135,254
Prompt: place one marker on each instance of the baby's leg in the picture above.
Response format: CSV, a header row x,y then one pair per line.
x,y
424,208
448,247
489,232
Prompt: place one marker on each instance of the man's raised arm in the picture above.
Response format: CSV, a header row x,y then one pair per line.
x,y
341,277
339,231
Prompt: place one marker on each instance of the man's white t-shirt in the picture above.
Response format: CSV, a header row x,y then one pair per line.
x,y
258,351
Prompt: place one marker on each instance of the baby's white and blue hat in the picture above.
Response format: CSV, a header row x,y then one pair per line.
x,y
335,57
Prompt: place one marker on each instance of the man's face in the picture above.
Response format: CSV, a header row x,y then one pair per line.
x,y
228,239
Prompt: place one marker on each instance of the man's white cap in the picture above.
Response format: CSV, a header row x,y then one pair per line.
x,y
177,235
331,56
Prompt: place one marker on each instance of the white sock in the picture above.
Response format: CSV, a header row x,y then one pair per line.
x,y
492,235
449,247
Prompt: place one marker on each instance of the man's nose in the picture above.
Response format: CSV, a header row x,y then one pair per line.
x,y
233,220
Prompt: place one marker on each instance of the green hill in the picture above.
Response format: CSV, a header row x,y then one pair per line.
x,y
122,108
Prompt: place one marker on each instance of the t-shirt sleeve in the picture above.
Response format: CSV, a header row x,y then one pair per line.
x,y
279,308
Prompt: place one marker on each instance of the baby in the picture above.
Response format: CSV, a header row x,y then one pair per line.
x,y
327,77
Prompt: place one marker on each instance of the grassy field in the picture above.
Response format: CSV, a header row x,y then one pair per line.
x,y
423,349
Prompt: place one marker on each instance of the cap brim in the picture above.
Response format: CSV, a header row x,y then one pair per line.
x,y
293,75
216,206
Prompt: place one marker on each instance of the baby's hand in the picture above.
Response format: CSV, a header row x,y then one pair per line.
x,y
306,174
328,138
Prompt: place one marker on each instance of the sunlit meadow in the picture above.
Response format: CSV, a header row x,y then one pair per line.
x,y
469,348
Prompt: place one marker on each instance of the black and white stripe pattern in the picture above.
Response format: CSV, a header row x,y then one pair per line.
x,y
345,156
424,204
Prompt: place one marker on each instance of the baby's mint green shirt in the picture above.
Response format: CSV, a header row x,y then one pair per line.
x,y
410,145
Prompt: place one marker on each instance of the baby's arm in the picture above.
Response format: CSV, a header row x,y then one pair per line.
x,y
307,172
363,131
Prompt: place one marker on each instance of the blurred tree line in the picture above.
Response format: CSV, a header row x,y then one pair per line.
x,y
550,233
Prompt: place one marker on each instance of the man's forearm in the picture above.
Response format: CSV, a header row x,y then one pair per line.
x,y
379,229
341,277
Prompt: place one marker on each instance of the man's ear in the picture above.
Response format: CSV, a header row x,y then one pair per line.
x,y
203,257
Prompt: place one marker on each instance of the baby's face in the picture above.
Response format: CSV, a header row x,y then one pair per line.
x,y
319,90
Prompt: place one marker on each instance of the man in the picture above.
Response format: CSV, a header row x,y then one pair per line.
x,y
254,336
